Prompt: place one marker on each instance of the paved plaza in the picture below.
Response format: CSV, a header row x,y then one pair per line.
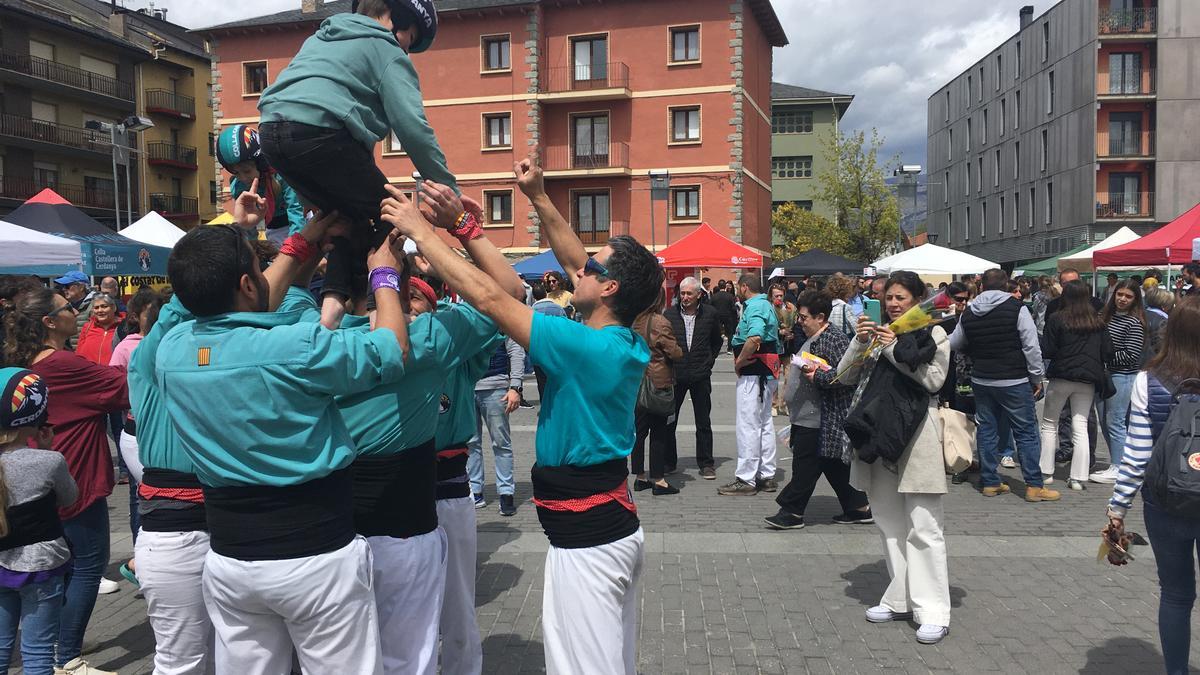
x,y
722,594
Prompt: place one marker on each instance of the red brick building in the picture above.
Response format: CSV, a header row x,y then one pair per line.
x,y
608,90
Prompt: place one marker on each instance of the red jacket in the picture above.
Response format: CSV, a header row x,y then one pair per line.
x,y
81,394
96,343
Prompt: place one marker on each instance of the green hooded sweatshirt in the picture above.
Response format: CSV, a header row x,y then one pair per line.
x,y
352,73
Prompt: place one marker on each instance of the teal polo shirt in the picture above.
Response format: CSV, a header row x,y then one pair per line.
x,y
158,444
456,403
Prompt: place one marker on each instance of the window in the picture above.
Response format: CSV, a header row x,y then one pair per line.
x,y
1017,70
1000,218
499,207
1032,205
392,145
1125,73
979,175
1017,160
589,147
98,66
802,204
949,226
44,112
970,88
947,105
41,50
1003,115
1050,93
983,137
1124,134
1045,41
212,144
999,69
212,192
591,217
996,168
254,78
981,83
685,125
950,147
1017,111
497,53
1049,203
685,203
1042,161
497,131
590,58
1016,209
1124,193
946,188
983,221
968,134
685,44
967,185
791,167
967,226
45,174
791,122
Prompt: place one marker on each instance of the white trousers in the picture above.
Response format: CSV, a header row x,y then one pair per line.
x,y
755,430
590,608
321,605
409,578
1079,395
914,547
170,566
462,648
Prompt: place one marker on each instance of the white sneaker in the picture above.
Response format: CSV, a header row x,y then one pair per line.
x,y
929,634
1008,462
1108,475
107,586
78,666
1075,484
1047,479
881,614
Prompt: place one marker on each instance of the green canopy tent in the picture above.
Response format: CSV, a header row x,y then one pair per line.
x,y
1049,266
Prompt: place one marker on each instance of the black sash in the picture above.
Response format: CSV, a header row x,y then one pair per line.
x,y
32,522
396,495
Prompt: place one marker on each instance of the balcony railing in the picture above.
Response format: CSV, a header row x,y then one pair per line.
x,y
599,233
587,156
1128,21
1128,84
161,152
170,103
173,205
1125,205
52,132
52,71
15,187
587,77
1131,145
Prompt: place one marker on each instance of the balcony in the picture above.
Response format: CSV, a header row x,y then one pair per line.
x,y
585,159
596,82
37,134
1128,22
44,70
1128,85
1125,206
598,234
1138,145
169,103
173,206
15,187
162,153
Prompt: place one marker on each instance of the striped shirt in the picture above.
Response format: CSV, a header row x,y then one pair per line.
x,y
1128,338
1139,442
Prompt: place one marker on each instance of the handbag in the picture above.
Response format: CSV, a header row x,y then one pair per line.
x,y
650,399
958,439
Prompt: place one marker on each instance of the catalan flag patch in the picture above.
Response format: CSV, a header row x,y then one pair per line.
x,y
203,355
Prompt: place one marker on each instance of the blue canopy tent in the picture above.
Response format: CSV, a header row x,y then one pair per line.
x,y
535,267
104,252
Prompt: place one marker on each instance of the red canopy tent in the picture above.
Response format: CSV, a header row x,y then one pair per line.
x,y
1169,244
705,247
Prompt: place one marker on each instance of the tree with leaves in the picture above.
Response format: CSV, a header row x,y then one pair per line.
x,y
854,186
802,230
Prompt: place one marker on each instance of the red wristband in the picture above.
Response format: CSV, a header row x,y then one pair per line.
x,y
467,228
299,248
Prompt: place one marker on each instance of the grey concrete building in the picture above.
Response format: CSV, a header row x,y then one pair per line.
x,y
1081,122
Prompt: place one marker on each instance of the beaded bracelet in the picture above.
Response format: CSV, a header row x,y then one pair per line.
x,y
299,248
385,277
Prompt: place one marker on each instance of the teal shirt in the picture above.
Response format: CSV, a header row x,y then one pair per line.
x,y
287,203
251,394
758,319
456,405
353,74
592,380
158,444
401,415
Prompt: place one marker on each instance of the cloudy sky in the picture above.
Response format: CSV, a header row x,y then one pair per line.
x,y
891,55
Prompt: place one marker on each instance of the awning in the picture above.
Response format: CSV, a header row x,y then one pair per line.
x,y
705,247
26,251
820,263
154,229
1171,243
933,259
535,267
1083,260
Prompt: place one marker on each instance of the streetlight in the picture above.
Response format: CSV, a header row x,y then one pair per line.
x,y
132,123
907,173
931,236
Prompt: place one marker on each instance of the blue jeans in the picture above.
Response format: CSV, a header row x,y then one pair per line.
x,y
35,608
1116,415
1000,411
1174,540
87,533
489,407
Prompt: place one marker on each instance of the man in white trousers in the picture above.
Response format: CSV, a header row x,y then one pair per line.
x,y
250,394
756,348
585,428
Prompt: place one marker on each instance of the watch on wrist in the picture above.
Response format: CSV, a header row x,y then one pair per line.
x,y
516,389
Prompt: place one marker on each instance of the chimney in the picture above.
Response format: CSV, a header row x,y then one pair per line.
x,y
1026,16
309,6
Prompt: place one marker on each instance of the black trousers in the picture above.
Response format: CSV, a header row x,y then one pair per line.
x,y
334,172
808,467
654,426
701,392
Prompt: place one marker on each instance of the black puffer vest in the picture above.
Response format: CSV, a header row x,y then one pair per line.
x,y
993,342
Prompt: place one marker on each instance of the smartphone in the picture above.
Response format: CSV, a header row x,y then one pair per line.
x,y
871,310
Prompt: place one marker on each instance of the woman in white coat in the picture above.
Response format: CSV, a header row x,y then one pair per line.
x,y
906,495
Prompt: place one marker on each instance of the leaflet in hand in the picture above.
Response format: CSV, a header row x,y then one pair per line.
x,y
809,359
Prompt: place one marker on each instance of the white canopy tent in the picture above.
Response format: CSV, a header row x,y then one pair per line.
x,y
155,230
1082,260
26,251
929,259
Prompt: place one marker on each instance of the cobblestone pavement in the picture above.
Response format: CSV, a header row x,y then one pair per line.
x,y
722,594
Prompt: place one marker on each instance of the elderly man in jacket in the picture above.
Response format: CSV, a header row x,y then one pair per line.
x,y
697,329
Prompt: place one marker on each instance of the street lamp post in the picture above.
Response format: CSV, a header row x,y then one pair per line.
x,y
907,173
132,123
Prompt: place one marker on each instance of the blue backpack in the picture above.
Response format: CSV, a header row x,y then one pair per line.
x,y
1172,480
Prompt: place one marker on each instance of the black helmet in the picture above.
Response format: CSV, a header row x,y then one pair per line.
x,y
423,13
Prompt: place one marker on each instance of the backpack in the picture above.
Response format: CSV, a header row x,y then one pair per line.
x,y
1172,480
845,320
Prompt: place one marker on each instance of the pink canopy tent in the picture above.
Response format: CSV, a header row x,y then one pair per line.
x,y
1170,244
